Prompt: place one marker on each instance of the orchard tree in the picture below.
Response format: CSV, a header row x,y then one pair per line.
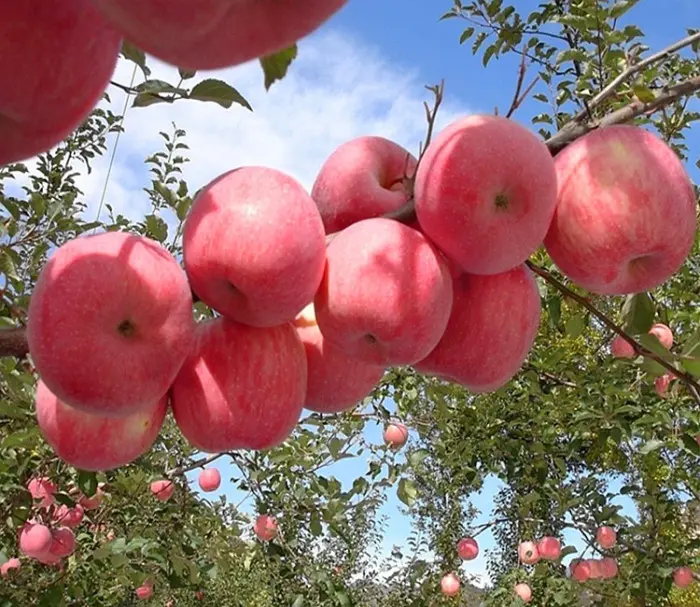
x,y
514,300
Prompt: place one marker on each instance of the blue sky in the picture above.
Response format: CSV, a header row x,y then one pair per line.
x,y
363,73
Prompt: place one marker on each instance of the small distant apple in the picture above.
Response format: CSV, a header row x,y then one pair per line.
x,y
580,570
9,565
524,592
162,489
528,553
683,577
42,489
663,334
450,584
209,479
549,548
265,527
145,591
396,435
467,548
621,348
608,568
35,539
606,537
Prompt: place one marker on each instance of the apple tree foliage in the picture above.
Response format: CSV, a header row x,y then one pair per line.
x,y
570,426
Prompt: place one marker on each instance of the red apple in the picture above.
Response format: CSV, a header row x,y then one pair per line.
x,y
62,542
59,56
199,595
662,383
93,502
9,565
96,442
625,216
386,294
219,33
131,342
580,570
35,539
492,327
254,246
42,489
467,549
523,591
608,568
162,489
395,435
69,517
485,193
241,387
265,527
683,577
209,479
450,584
663,334
145,591
363,178
606,537
528,553
621,348
549,548
335,381
594,568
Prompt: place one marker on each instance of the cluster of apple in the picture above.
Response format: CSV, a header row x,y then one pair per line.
x,y
317,294
48,535
549,548
60,54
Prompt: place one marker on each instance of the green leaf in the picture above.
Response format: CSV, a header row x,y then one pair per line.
x,y
186,74
575,325
135,54
416,457
315,524
26,439
156,228
407,492
299,601
146,99
651,445
275,66
643,93
7,265
219,92
690,357
87,482
466,34
691,444
637,314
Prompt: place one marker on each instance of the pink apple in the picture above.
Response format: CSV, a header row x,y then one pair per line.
x,y
93,502
254,246
96,442
492,327
34,539
683,577
199,595
608,568
335,381
131,342
580,570
528,553
594,568
663,334
241,387
523,591
625,216
621,348
467,549
9,565
209,479
549,548
363,178
42,489
69,517
162,489
265,527
395,435
606,537
62,542
450,585
220,33
59,56
485,193
386,294
662,383
144,592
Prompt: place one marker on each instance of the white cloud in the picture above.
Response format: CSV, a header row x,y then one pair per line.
x,y
337,89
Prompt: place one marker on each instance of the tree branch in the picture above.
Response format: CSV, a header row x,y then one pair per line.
x,y
686,378
200,463
611,88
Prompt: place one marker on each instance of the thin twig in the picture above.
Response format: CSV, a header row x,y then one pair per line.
x,y
611,88
200,463
518,86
